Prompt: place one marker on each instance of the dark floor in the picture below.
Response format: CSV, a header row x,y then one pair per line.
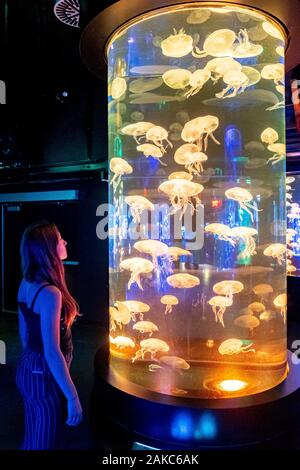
x,y
87,339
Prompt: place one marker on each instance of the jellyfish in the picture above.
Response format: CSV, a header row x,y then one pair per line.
x,y
119,167
256,33
169,301
122,342
236,83
174,252
219,305
197,80
198,16
153,248
290,234
290,269
217,44
247,321
191,157
289,179
182,175
273,72
234,346
269,136
137,116
175,127
151,346
119,315
246,234
143,85
183,281
199,129
243,197
228,288
182,117
255,308
136,308
181,194
279,154
150,150
175,362
177,78
281,302
145,327
138,129
272,30
136,266
157,135
222,231
276,251
267,315
220,66
245,48
262,290
177,45
137,205
252,74
118,88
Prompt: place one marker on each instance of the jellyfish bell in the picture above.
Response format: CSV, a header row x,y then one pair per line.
x,y
255,308
276,251
174,252
154,248
137,129
236,82
219,305
183,281
157,135
122,342
245,48
228,288
217,44
169,301
198,16
279,152
177,79
136,308
281,302
151,150
137,116
262,290
289,179
191,157
234,346
182,193
151,346
222,231
183,175
269,136
118,87
273,72
137,205
220,66
136,266
119,167
197,80
243,197
252,74
145,327
246,234
247,321
143,85
174,362
177,45
199,129
272,30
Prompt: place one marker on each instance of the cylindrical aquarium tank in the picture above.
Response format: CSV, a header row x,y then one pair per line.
x,y
197,191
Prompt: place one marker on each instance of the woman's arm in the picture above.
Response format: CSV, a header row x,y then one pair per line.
x,y
50,312
22,329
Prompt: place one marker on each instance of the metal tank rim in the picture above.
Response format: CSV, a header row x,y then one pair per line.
x,y
98,33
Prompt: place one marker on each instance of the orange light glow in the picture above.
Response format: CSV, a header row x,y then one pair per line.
x,y
231,385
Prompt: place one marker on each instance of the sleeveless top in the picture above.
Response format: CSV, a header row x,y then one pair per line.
x,y
33,323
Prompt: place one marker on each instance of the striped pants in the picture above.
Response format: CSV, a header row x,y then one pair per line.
x,y
44,403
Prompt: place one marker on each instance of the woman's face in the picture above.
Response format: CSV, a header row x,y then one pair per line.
x,y
61,248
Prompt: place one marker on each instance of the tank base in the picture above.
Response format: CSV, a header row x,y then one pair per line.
x,y
165,422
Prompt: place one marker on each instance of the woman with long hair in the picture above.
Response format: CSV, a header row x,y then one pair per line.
x,y
46,313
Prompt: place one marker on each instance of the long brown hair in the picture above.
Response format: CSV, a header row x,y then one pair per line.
x,y
41,263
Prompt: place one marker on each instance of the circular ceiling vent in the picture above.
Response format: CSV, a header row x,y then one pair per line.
x,y
68,12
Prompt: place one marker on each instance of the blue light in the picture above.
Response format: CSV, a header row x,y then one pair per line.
x,y
206,428
182,426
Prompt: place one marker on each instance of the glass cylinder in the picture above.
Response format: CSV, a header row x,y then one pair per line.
x,y
197,201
